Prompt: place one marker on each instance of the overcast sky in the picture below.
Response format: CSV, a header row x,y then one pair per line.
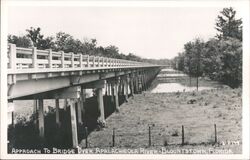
x,y
145,31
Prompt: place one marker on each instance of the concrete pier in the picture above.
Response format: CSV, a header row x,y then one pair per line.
x,y
41,118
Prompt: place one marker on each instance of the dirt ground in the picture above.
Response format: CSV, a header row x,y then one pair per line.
x,y
167,112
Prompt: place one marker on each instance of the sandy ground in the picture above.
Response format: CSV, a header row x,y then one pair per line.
x,y
167,112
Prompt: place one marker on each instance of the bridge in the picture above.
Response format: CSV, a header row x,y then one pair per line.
x,y
44,74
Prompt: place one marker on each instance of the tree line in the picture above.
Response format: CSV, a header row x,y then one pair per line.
x,y
67,43
219,58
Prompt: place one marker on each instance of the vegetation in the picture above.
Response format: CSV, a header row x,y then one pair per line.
x,y
220,58
67,43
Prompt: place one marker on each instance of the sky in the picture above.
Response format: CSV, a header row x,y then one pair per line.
x,y
149,32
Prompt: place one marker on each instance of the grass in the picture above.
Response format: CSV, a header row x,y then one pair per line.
x,y
168,112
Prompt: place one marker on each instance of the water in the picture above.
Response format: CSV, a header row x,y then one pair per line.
x,y
168,69
176,87
176,81
172,75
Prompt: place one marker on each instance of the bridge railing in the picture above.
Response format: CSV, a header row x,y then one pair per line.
x,y
32,58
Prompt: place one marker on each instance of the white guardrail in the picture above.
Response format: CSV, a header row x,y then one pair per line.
x,y
32,59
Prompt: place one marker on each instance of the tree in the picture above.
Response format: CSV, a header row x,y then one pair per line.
x,y
61,41
112,51
188,58
192,57
231,57
38,39
133,57
211,59
90,46
228,25
20,41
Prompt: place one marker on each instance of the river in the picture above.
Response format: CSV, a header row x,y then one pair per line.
x,y
170,80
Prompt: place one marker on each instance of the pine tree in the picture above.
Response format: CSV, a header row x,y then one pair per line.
x,y
228,25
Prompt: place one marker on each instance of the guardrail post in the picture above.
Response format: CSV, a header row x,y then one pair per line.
x,y
111,60
80,61
12,60
99,61
50,58
116,62
93,61
108,62
102,61
62,59
72,60
34,58
87,60
105,62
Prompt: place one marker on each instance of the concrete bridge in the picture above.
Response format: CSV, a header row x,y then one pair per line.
x,y
44,74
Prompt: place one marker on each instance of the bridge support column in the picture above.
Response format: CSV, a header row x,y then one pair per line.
x,y
111,92
101,118
139,83
142,82
99,89
73,122
131,85
108,88
65,104
136,84
79,111
11,109
147,80
116,96
57,113
126,82
82,104
121,86
35,106
41,118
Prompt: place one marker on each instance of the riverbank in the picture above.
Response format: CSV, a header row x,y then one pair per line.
x,y
167,112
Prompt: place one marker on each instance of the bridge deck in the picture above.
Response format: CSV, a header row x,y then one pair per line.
x,y
33,71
